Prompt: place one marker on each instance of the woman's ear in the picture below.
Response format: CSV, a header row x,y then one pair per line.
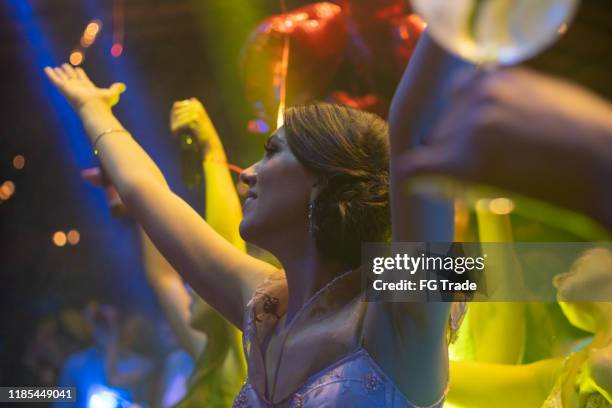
x,y
315,190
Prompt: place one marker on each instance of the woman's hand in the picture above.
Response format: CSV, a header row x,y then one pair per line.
x,y
525,132
78,90
190,115
600,370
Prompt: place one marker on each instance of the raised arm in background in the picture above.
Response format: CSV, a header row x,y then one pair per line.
x,y
223,214
477,384
223,211
223,275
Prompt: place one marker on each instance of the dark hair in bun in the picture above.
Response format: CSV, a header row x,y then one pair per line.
x,y
348,150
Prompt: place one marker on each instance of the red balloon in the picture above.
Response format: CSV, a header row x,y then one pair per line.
x,y
406,33
317,36
369,102
383,37
370,12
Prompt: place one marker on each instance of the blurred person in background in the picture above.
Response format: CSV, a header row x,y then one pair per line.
x,y
109,369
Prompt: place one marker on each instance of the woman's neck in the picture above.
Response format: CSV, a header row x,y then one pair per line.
x,y
307,272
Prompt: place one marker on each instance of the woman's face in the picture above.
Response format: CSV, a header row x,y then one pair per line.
x,y
277,199
584,287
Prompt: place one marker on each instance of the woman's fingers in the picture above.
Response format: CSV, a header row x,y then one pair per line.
x,y
60,73
118,88
185,118
179,104
178,124
192,103
69,71
52,75
182,113
80,74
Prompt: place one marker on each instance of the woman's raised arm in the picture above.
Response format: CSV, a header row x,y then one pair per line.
x,y
223,275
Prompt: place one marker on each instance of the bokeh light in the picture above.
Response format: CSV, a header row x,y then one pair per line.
x,y
18,162
76,58
7,190
501,206
116,50
93,28
73,237
258,126
59,238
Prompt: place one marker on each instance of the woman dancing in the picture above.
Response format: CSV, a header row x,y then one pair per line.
x,y
321,189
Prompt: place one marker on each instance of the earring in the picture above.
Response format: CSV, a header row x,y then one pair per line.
x,y
310,217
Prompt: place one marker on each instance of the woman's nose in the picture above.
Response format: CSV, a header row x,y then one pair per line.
x,y
248,175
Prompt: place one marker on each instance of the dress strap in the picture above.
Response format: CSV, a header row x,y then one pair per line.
x,y
439,402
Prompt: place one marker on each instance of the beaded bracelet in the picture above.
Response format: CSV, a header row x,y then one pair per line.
x,y
104,133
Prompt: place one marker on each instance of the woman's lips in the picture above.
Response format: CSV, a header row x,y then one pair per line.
x,y
249,200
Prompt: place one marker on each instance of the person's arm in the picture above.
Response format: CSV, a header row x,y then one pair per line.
x,y
477,385
223,210
173,298
529,133
417,219
497,329
223,275
596,376
417,102
223,214
114,375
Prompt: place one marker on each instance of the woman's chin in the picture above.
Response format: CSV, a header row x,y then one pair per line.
x,y
246,230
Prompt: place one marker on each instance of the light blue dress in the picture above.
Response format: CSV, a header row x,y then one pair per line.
x,y
323,362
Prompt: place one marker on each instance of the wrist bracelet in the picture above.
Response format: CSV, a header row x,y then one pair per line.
x,y
104,133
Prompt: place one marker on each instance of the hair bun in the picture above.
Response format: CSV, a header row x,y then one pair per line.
x,y
349,151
